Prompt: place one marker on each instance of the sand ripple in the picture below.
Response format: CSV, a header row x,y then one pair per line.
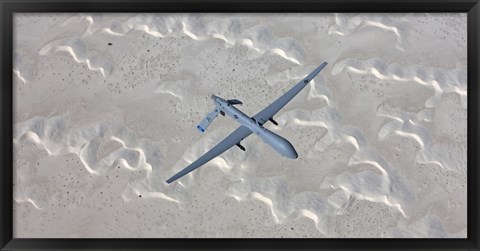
x,y
437,79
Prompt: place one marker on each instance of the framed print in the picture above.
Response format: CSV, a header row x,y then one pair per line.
x,y
239,125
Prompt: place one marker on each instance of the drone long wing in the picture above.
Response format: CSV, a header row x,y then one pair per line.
x,y
267,113
232,139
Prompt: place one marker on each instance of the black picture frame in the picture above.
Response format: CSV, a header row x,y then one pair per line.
x,y
9,7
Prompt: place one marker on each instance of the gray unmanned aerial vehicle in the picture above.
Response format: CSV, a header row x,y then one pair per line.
x,y
248,125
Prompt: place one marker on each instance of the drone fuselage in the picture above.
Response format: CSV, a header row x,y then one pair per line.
x,y
278,143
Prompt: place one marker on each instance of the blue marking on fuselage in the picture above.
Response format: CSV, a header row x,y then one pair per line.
x,y
200,129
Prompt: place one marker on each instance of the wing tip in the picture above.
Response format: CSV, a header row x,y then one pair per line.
x,y
322,65
172,179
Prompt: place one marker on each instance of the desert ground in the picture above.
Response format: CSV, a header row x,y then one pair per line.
x,y
106,108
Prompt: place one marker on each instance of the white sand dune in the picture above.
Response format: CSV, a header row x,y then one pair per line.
x,y
106,107
439,80
78,50
346,24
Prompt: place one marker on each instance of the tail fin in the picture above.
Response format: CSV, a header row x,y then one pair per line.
x,y
208,120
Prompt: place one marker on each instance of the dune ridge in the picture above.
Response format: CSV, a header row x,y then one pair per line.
x,y
58,137
437,79
409,125
347,24
78,49
383,186
231,32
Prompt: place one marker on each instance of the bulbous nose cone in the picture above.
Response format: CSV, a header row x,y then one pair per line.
x,y
289,151
281,145
294,154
